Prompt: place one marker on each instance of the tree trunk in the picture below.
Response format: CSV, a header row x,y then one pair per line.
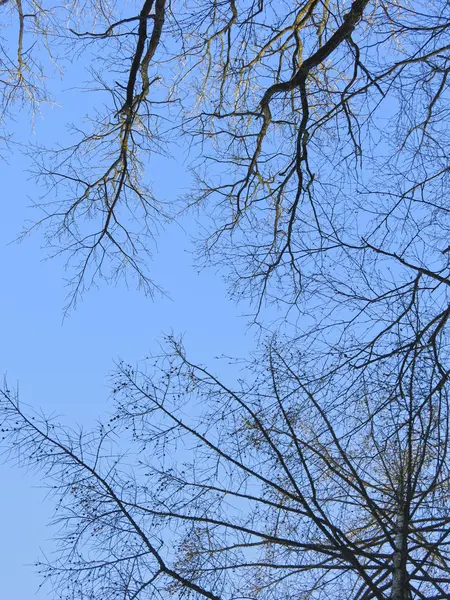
x,y
399,576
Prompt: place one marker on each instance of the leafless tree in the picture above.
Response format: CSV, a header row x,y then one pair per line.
x,y
275,487
318,132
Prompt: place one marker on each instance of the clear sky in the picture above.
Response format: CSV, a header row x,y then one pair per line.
x,y
63,366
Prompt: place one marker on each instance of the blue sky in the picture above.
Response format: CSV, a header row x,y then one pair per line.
x,y
63,366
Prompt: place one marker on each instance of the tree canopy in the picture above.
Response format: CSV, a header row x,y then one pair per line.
x,y
316,134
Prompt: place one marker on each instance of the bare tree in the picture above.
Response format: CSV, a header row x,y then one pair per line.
x,y
318,135
276,487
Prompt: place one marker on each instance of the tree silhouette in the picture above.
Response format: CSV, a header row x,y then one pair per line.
x,y
318,136
285,485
